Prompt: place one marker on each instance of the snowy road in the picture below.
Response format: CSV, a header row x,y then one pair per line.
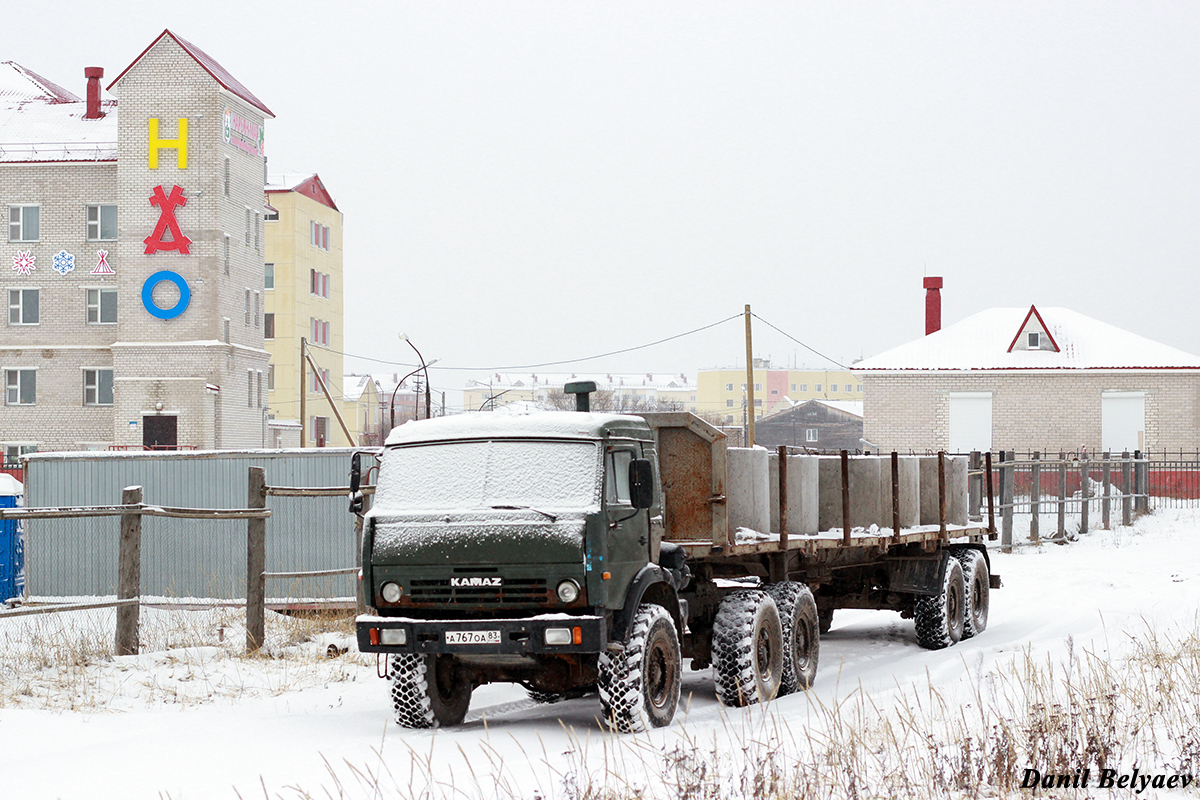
x,y
1103,592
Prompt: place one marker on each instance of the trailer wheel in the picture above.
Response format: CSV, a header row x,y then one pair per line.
x,y
977,584
747,648
639,688
801,644
428,691
825,620
939,617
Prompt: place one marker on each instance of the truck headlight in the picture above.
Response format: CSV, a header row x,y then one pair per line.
x,y
391,592
568,591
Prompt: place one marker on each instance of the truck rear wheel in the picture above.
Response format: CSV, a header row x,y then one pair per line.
x,y
747,648
801,645
976,598
939,617
428,691
639,688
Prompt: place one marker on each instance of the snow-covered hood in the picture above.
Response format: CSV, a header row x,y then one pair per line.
x,y
484,536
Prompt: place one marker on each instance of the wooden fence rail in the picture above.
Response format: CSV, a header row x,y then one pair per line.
x,y
129,558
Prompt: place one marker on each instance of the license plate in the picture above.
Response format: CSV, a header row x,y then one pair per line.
x,y
472,637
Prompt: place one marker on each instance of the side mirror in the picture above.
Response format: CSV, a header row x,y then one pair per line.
x,y
356,498
641,483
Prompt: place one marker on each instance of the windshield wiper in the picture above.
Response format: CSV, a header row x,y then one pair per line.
x,y
529,508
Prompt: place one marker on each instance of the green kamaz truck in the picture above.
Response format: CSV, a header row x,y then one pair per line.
x,y
579,552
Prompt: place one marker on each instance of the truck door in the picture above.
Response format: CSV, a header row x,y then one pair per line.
x,y
628,542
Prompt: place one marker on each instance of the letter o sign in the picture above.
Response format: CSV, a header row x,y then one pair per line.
x,y
153,281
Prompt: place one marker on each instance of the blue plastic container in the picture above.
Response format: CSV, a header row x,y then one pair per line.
x,y
12,543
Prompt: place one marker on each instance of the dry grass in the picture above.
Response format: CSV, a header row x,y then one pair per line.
x,y
66,661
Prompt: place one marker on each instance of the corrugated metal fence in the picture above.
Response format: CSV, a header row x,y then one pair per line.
x,y
189,559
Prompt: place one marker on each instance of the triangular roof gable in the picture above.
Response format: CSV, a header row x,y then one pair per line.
x,y
208,64
1033,312
44,90
309,187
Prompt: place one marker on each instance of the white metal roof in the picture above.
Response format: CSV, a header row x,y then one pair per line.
x,y
982,342
41,121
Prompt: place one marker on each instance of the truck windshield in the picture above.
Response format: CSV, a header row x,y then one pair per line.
x,y
462,475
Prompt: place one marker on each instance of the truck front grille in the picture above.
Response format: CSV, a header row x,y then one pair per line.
x,y
514,590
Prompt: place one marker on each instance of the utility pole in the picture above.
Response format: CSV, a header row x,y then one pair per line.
x,y
749,383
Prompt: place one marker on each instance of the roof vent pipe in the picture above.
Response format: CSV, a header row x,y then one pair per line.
x,y
933,305
93,75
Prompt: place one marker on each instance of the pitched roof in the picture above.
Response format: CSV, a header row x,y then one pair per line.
x,y
981,342
308,184
209,64
41,121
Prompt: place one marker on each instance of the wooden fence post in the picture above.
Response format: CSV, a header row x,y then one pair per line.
x,y
129,573
845,497
1035,496
1006,501
1141,472
1062,494
974,485
991,498
1126,490
256,563
1106,483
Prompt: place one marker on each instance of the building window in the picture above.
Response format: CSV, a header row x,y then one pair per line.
x,y
318,235
258,386
225,321
817,387
318,283
249,222
101,306
758,387
249,388
23,306
729,387
247,308
257,307
21,387
793,387
268,276
97,387
226,178
1035,340
225,258
833,387
272,214
803,387
757,402
101,223
23,223
315,385
269,325
257,231
858,388
319,330
13,452
270,377
729,403
810,434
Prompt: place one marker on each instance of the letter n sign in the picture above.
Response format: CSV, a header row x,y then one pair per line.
x,y
166,221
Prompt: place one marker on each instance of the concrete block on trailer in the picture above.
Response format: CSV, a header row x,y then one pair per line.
x,y
801,494
747,489
909,469
956,490
863,473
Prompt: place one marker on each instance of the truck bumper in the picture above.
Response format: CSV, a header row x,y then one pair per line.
x,y
550,635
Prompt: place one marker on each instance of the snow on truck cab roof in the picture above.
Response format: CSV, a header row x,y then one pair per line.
x,y
537,425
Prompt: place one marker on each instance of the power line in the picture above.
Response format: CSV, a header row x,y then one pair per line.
x,y
797,341
543,364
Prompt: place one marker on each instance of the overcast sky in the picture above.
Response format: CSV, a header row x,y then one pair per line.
x,y
533,182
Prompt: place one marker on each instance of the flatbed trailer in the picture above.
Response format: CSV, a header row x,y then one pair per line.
x,y
599,551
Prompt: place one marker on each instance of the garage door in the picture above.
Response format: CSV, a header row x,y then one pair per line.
x,y
1124,421
970,422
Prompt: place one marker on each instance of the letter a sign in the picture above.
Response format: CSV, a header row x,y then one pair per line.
x,y
166,221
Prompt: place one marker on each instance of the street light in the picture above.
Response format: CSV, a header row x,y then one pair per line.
x,y
392,405
424,368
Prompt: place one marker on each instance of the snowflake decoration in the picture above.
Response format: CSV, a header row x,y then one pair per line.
x,y
64,262
23,262
102,267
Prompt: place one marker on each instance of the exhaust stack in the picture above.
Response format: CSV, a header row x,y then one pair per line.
x,y
93,75
933,305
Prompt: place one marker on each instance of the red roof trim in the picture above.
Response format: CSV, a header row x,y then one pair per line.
x,y
209,65
1033,312
312,188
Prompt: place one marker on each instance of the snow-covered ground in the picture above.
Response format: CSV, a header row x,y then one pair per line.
x,y
195,723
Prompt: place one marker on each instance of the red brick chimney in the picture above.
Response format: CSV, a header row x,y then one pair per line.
x,y
933,305
93,75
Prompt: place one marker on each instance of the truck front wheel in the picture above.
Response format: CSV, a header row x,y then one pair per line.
x,y
428,691
639,688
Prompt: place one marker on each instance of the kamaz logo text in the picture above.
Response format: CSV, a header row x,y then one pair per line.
x,y
489,582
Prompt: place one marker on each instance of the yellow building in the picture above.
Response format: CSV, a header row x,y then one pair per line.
x,y
721,392
303,279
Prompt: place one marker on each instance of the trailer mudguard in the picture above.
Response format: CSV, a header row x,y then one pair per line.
x,y
652,584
